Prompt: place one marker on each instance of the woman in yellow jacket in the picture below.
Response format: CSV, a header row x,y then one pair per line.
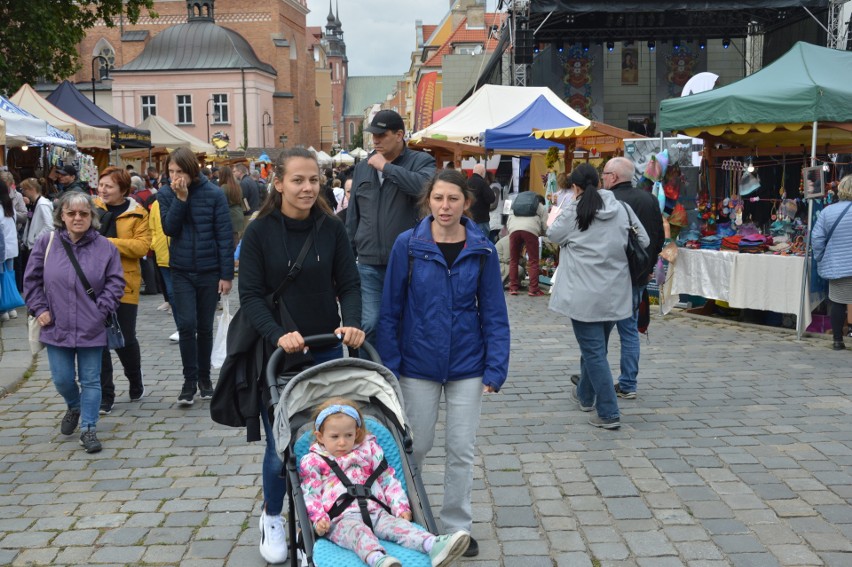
x,y
125,223
160,246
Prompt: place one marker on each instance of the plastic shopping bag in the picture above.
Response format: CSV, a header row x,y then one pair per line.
x,y
220,342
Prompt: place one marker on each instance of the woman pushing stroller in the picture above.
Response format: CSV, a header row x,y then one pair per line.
x,y
345,452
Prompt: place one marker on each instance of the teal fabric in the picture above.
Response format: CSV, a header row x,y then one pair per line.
x,y
327,554
808,83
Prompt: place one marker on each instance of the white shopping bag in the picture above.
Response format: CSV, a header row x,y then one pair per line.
x,y
220,342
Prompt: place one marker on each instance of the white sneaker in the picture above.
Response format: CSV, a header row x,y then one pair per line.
x,y
175,337
273,539
4,317
164,307
13,314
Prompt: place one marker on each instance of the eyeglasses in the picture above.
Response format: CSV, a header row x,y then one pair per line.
x,y
81,214
608,173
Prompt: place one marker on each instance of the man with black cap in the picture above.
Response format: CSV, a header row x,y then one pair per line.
x,y
68,181
386,188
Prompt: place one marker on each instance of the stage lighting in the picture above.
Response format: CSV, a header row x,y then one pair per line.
x,y
585,45
652,45
610,45
702,44
726,43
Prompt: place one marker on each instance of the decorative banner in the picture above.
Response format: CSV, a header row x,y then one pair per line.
x,y
425,103
629,66
676,66
583,79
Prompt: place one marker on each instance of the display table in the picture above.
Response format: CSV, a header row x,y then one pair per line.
x,y
747,281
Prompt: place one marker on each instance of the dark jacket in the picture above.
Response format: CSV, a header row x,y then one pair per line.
x,y
202,238
77,185
444,324
379,212
647,209
328,273
483,195
250,193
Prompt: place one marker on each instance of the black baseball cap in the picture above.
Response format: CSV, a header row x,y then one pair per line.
x,y
67,170
385,120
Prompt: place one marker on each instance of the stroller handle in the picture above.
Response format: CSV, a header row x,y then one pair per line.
x,y
315,341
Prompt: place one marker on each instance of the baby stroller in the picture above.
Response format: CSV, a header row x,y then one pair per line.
x,y
376,389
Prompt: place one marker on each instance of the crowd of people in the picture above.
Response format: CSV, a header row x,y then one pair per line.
x,y
369,253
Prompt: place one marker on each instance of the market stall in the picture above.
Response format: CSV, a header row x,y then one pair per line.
x,y
801,103
86,136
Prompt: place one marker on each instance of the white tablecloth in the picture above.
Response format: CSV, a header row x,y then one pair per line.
x,y
746,281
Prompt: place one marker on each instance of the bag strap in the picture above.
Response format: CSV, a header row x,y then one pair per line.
x,y
630,224
297,267
88,287
831,231
49,243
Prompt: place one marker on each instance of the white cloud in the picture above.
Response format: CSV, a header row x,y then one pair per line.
x,y
380,34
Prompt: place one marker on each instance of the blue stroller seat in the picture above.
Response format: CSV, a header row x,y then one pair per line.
x,y
329,554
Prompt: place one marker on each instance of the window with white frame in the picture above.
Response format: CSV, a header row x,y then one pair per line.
x,y
149,106
184,109
221,114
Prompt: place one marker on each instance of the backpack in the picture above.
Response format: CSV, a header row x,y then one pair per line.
x,y
525,204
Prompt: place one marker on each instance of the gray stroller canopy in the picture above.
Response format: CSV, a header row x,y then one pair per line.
x,y
353,378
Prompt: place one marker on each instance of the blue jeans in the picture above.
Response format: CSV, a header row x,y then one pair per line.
x,y
274,479
87,396
194,307
595,385
166,273
628,331
372,284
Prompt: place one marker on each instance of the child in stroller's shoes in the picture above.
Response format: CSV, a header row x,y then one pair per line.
x,y
345,453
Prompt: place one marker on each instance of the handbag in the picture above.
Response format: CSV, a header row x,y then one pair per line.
x,y
10,298
220,342
637,256
33,326
115,338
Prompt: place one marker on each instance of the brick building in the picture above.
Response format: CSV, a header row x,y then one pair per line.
x,y
276,32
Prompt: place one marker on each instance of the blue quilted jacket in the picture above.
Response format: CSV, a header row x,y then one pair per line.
x,y
837,261
200,229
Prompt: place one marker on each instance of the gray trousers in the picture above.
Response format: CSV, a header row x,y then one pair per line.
x,y
463,403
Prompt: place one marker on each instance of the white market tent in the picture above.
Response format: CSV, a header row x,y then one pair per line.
x,y
487,108
358,153
2,132
23,128
343,158
323,158
164,134
87,136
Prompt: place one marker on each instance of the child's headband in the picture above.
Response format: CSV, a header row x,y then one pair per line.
x,y
337,408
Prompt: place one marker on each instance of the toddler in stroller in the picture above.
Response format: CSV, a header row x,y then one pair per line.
x,y
345,458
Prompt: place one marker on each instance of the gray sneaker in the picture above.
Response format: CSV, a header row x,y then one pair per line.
x,y
613,423
70,421
576,399
625,395
90,442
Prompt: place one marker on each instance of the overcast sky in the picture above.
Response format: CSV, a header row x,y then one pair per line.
x,y
380,34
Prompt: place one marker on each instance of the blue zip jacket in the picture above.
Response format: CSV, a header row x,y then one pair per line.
x,y
837,261
447,324
202,240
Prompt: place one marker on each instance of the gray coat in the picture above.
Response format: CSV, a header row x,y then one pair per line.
x,y
593,283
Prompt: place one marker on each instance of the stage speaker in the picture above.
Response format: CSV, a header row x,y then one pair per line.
x,y
524,46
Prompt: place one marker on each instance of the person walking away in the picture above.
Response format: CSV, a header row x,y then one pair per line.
x,y
248,187
72,322
618,178
594,286
386,188
495,216
323,297
444,331
194,213
234,195
9,234
523,233
124,222
832,240
483,198
343,442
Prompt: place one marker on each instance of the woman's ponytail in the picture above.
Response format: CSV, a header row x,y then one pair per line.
x,y
590,202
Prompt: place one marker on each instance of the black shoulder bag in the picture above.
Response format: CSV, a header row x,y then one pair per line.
x,y
637,256
115,338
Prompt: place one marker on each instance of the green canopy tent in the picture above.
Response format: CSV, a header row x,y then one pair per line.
x,y
771,110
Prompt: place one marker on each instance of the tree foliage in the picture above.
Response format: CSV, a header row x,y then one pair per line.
x,y
40,38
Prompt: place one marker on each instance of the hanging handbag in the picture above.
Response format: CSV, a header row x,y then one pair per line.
x,y
637,256
33,326
115,338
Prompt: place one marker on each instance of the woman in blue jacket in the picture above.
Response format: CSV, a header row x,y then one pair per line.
x,y
444,328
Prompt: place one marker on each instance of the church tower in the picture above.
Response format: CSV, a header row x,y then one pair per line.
x,y
335,48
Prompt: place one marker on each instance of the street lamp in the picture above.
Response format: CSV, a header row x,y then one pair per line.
x,y
104,65
267,121
215,117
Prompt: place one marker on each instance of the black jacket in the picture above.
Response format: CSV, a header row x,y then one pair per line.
x,y
381,211
483,195
269,244
647,209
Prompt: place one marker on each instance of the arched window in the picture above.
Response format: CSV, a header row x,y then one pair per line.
x,y
351,132
105,50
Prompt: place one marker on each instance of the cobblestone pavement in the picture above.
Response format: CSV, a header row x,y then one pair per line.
x,y
737,452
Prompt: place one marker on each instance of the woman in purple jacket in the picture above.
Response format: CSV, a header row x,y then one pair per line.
x,y
72,323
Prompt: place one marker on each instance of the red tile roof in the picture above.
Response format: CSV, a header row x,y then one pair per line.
x,y
464,35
